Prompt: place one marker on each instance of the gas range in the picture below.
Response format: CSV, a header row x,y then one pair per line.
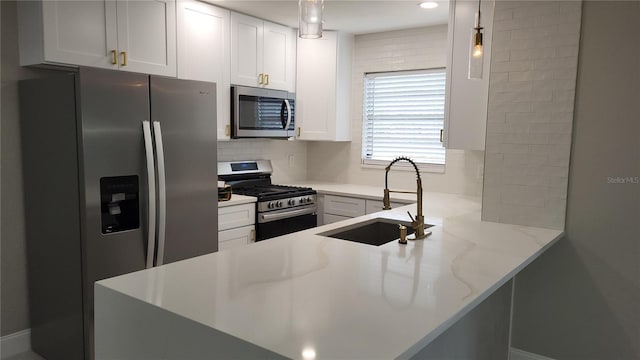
x,y
280,209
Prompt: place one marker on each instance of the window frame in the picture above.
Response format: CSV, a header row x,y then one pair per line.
x,y
377,163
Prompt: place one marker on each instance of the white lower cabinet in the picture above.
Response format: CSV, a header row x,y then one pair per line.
x,y
236,226
233,238
338,208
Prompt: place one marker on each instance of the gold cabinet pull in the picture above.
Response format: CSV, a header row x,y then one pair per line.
x,y
114,57
252,237
441,135
227,130
266,79
260,79
299,131
124,58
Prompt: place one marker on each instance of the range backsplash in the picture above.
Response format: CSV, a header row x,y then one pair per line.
x,y
288,158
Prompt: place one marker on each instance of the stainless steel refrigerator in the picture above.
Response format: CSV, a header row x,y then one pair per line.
x,y
119,175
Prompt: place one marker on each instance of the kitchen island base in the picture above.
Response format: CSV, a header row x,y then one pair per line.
x,y
127,328
130,329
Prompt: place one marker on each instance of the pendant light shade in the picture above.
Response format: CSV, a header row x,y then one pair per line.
x,y
476,49
310,18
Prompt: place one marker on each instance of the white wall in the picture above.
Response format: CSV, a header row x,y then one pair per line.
x,y
389,51
534,61
14,311
289,158
581,299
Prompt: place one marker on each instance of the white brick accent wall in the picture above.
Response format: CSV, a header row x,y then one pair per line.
x,y
531,96
411,49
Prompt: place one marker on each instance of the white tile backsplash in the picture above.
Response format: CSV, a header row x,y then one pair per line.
x,y
278,151
531,99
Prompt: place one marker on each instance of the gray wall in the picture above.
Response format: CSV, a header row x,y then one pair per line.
x,y
581,299
14,273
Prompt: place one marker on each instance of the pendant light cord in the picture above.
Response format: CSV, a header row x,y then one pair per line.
x,y
479,13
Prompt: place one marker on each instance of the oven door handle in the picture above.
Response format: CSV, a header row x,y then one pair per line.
x,y
263,218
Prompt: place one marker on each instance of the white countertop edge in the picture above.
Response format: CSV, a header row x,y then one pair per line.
x,y
237,199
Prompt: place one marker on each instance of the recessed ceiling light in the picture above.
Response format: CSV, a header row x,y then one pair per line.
x,y
428,5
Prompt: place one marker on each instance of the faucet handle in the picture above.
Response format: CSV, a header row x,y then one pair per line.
x,y
411,216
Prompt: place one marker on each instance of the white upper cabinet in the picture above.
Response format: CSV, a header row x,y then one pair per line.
x,y
147,36
466,99
323,92
262,53
204,52
127,35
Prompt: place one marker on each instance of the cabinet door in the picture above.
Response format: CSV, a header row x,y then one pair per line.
x,y
235,216
147,36
234,238
344,206
246,49
204,53
316,87
76,32
323,87
279,57
466,99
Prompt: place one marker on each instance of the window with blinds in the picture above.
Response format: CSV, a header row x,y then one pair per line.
x,y
403,114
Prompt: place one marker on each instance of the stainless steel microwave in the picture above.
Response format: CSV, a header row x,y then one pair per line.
x,y
262,113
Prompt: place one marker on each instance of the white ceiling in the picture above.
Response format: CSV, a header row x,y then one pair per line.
x,y
354,16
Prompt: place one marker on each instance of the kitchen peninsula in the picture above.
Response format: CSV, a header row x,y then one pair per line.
x,y
304,295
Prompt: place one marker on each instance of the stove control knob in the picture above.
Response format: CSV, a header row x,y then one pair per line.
x,y
303,200
270,205
291,202
309,199
279,204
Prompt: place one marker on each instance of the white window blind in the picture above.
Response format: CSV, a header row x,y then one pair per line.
x,y
403,115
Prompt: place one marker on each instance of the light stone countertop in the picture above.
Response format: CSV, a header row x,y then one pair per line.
x,y
344,299
237,200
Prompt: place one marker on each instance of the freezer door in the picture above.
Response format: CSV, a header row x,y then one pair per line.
x,y
112,107
184,117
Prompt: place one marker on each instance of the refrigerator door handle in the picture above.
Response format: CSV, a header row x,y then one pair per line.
x,y
151,185
162,192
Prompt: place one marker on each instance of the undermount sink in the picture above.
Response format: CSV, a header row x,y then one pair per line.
x,y
375,232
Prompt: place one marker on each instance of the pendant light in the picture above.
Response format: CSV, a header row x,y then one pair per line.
x,y
310,18
476,50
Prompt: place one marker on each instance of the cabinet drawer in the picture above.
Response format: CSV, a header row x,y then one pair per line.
x,y
373,206
234,238
330,218
345,206
236,216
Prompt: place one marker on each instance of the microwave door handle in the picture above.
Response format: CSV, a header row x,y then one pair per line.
x,y
286,103
282,119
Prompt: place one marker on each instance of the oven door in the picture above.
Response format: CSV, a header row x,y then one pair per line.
x,y
262,113
282,222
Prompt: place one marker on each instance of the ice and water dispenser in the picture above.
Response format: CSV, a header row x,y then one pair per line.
x,y
119,203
